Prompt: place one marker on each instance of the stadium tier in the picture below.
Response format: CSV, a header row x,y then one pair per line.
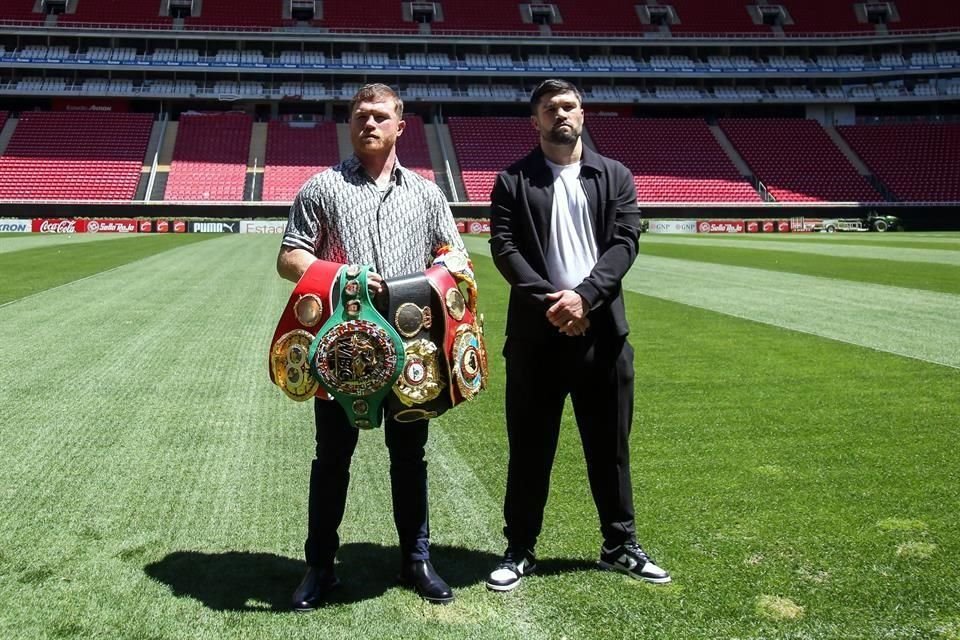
x,y
412,147
797,161
712,16
485,146
490,15
818,16
253,13
296,151
116,12
672,160
20,10
367,15
75,156
599,16
210,157
916,161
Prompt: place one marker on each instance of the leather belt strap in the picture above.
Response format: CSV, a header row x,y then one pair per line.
x,y
411,307
307,309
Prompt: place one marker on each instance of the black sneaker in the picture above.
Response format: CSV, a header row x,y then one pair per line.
x,y
516,563
631,559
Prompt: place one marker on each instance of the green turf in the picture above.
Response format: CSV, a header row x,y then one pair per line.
x,y
154,482
41,267
928,276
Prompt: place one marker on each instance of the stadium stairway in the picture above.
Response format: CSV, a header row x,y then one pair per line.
x,y
6,132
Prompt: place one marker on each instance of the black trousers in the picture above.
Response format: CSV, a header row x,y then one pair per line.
x,y
330,476
597,373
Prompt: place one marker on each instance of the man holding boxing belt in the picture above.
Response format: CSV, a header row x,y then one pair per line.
x,y
368,210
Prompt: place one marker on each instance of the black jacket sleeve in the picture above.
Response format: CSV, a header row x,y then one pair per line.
x,y
512,238
603,283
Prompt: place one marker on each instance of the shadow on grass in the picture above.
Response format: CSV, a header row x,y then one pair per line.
x,y
250,581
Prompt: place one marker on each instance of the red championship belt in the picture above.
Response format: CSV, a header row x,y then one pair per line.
x,y
309,307
463,346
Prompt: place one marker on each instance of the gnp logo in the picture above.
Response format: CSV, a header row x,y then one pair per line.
x,y
14,226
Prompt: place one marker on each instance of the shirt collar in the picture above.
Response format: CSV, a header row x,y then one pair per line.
x,y
589,159
353,166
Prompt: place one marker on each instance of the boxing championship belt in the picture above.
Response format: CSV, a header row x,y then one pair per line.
x,y
306,311
357,355
410,306
463,345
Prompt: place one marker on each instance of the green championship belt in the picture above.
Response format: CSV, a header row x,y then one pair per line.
x,y
357,356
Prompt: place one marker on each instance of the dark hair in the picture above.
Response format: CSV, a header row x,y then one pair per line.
x,y
551,87
376,92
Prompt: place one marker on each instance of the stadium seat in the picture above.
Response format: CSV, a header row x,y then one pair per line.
x,y
210,157
84,155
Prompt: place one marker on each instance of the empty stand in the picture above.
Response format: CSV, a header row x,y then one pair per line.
x,y
487,145
210,157
116,12
916,161
797,161
482,15
75,156
370,15
822,16
412,147
296,151
672,159
601,16
240,13
926,14
19,10
714,16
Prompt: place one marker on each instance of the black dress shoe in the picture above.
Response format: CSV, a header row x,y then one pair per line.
x,y
316,584
422,578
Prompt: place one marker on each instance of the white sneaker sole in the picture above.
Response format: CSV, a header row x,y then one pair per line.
x,y
606,566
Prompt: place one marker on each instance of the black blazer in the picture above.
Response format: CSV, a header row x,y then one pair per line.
x,y
521,202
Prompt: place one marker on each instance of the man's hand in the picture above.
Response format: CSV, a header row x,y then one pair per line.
x,y
374,282
575,327
567,307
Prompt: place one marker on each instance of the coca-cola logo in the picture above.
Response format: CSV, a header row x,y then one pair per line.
x,y
163,226
179,226
58,226
146,226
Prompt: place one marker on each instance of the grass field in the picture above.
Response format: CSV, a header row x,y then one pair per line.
x,y
794,452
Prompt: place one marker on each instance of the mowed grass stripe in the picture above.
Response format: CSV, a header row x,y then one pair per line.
x,y
161,394
872,252
932,277
909,322
21,241
942,241
43,267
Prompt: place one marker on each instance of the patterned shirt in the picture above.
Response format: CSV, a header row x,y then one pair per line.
x,y
341,216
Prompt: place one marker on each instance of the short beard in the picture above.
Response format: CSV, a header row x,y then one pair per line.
x,y
561,136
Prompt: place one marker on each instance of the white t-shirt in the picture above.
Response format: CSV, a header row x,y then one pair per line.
x,y
572,246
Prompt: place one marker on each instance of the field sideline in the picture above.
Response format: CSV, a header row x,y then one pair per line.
x,y
794,452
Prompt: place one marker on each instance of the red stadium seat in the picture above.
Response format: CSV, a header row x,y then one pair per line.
x,y
75,156
210,157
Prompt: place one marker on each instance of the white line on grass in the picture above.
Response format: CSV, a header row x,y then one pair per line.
x,y
922,325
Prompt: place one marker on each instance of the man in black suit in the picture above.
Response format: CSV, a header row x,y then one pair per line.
x,y
564,232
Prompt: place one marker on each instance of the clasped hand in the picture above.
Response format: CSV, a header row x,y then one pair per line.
x,y
568,313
